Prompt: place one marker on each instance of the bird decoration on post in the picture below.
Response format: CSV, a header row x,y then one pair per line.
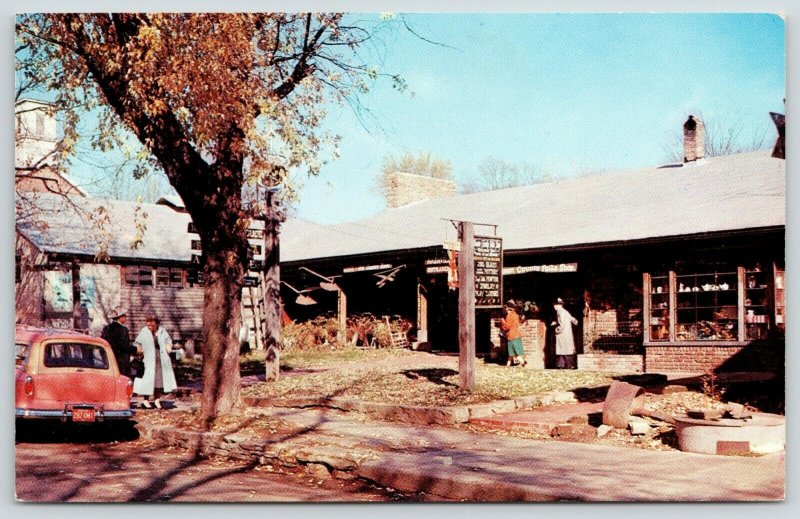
x,y
302,298
387,276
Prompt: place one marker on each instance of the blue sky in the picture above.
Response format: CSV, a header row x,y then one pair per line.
x,y
567,93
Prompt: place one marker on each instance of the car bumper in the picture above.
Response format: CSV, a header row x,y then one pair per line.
x,y
65,415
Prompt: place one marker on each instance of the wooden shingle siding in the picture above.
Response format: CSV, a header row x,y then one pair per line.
x,y
28,290
180,309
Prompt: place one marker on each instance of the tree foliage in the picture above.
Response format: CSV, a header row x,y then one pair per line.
x,y
495,173
219,101
423,164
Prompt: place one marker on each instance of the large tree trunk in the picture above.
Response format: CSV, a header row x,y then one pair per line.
x,y
221,322
223,237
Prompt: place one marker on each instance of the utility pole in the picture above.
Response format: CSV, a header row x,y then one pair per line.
x,y
466,306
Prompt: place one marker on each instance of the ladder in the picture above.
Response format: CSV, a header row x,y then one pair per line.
x,y
398,337
254,312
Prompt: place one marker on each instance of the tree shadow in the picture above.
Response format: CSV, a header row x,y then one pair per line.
x,y
435,375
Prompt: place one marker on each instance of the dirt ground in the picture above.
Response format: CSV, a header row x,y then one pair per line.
x,y
756,396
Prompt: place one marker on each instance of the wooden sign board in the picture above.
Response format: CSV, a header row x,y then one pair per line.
x,y
488,272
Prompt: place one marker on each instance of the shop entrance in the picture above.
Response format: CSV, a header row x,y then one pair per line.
x,y
543,288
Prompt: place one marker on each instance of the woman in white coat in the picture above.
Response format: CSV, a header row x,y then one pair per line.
x,y
155,344
565,342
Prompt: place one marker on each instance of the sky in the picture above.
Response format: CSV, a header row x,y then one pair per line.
x,y
566,93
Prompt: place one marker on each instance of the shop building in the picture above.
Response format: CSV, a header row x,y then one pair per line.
x,y
675,268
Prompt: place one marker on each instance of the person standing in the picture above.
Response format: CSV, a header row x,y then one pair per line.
x,y
116,334
565,342
510,327
155,344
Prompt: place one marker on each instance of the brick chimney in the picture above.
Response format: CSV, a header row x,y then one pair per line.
x,y
404,188
694,139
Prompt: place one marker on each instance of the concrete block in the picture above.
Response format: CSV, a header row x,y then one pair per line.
x,y
638,427
503,406
480,411
564,397
527,402
674,388
603,430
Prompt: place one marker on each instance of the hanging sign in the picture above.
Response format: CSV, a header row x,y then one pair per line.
x,y
437,266
488,271
451,245
365,268
550,269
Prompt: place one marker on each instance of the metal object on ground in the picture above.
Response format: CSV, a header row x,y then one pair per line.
x,y
621,399
761,433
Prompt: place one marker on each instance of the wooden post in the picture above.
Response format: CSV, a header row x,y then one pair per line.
x,y
422,314
76,294
272,274
466,307
341,308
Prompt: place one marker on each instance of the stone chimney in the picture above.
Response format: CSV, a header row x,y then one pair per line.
x,y
404,188
694,139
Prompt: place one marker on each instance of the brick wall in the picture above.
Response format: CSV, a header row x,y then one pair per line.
x,y
611,363
533,332
687,359
694,139
404,188
767,356
605,330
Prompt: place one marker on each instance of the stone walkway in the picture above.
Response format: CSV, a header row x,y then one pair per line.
x,y
451,464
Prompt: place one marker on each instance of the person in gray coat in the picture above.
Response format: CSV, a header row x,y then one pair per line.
x,y
565,342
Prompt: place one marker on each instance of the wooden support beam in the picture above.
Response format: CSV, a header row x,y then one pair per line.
x,y
341,309
466,307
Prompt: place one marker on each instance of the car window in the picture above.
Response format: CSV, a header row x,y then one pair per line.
x,y
75,355
21,353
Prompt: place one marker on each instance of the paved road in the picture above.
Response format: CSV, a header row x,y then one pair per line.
x,y
73,468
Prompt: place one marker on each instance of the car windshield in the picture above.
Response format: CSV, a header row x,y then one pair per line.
x,y
75,355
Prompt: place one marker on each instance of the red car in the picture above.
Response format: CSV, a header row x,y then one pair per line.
x,y
68,376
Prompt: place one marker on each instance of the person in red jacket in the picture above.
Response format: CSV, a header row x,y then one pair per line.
x,y
510,326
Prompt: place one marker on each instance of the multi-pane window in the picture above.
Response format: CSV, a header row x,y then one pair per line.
x,y
146,276
731,305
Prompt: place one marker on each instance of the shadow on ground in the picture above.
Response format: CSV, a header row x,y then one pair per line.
x,y
434,375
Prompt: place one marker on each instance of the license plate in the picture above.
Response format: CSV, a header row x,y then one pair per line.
x,y
83,415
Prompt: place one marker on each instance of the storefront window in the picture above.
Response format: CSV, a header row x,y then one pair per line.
x,y
707,307
739,304
659,308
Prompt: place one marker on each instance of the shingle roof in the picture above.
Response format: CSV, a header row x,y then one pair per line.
x,y
734,192
73,225
743,191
